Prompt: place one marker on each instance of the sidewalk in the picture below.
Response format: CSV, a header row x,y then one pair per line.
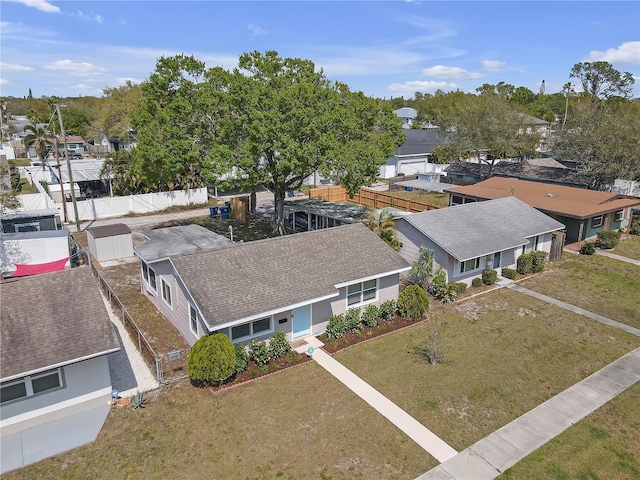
x,y
401,419
489,457
578,310
617,257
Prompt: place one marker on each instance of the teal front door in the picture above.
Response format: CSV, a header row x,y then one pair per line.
x,y
301,321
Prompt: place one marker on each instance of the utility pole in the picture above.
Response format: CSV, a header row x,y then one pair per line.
x,y
66,154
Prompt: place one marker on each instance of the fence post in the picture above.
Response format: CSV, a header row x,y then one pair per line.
x,y
158,370
139,342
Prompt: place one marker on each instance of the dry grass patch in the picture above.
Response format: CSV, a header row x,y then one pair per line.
x,y
596,283
629,247
507,353
604,445
299,423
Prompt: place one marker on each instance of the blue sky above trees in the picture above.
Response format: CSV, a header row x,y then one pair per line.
x,y
386,49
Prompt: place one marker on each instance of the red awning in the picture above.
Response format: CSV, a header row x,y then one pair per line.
x,y
23,270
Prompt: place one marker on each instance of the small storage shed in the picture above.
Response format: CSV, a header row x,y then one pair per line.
x,y
110,242
30,221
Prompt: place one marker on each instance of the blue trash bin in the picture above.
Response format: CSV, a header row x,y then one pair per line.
x,y
224,213
409,189
213,211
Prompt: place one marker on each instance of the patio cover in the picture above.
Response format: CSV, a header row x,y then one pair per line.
x,y
23,270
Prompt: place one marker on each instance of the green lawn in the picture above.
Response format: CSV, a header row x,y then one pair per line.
x,y
629,247
596,283
298,423
434,198
604,445
507,353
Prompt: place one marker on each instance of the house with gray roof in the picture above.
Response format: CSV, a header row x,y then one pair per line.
x,y
467,239
289,284
412,157
55,335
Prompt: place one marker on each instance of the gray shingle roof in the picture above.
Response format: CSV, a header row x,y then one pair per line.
x,y
420,141
170,241
109,230
245,280
475,229
52,319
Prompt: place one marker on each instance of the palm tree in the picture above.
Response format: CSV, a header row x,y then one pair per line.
x,y
568,90
422,268
382,225
40,138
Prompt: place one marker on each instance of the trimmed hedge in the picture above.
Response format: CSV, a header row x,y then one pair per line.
x,y
413,303
458,287
212,359
524,264
635,227
587,249
241,357
608,239
538,261
476,282
279,346
509,273
489,277
259,353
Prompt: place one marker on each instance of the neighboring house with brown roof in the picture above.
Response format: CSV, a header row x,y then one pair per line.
x,y
467,239
289,284
75,144
583,212
55,335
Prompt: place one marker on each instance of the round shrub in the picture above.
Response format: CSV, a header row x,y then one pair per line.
x,y
608,239
524,264
538,261
241,357
279,346
476,282
352,320
413,303
370,316
509,273
212,359
388,310
635,227
489,277
588,249
336,327
458,287
259,353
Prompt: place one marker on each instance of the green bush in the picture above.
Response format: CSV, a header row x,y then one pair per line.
x,y
413,303
524,264
241,357
352,320
476,282
587,248
259,353
279,346
538,261
371,315
635,227
458,287
438,284
608,239
489,277
212,359
388,310
336,327
450,294
509,273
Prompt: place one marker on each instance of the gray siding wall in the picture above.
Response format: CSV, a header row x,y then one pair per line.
x,y
112,248
83,378
412,239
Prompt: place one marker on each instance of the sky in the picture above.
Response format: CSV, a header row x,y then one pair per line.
x,y
382,48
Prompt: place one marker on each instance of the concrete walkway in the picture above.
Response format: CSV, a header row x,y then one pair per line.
x,y
488,458
401,419
578,310
617,257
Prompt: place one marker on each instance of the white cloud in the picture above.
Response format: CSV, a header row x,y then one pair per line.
x,y
450,73
88,90
599,23
124,80
82,69
256,30
493,65
41,5
627,53
4,82
91,16
411,87
13,67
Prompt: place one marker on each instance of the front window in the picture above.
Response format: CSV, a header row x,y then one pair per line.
x,y
618,216
531,246
597,221
252,329
193,320
149,276
362,292
457,200
31,385
166,292
470,265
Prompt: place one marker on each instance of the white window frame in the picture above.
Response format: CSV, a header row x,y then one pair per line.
x,y
17,227
457,197
477,266
252,334
601,221
166,287
28,382
618,216
193,319
147,277
532,246
361,292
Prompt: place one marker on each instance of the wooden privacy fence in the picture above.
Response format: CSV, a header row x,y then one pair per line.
x,y
371,198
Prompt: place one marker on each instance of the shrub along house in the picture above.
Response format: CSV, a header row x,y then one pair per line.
x,y
467,239
288,284
584,213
